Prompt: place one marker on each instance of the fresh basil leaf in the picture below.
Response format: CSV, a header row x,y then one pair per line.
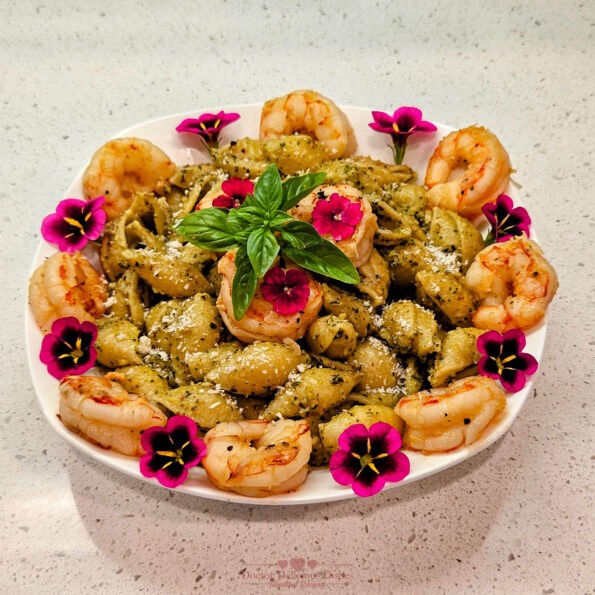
x,y
208,229
244,284
299,234
294,189
326,259
268,193
262,250
252,206
279,220
242,217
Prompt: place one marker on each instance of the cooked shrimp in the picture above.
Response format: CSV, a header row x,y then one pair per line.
x,y
308,112
356,247
261,322
121,168
441,419
258,458
514,283
66,285
102,411
486,176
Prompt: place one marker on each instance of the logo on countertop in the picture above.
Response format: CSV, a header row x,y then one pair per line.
x,y
297,573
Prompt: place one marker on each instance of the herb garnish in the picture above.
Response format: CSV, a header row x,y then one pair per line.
x,y
260,229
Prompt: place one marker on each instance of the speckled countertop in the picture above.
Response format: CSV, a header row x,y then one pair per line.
x,y
518,517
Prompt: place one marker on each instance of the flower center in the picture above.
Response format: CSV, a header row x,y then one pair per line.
x,y
176,456
76,224
75,351
367,460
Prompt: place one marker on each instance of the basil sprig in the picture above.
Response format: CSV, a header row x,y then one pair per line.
x,y
260,229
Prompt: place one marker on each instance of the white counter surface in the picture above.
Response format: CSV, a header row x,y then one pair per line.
x,y
518,517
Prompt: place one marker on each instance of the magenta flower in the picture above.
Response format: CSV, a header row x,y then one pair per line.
x,y
74,223
503,358
69,347
505,220
171,450
235,191
287,289
337,216
400,126
208,126
368,458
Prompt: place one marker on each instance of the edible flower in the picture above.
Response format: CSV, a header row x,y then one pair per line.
x,y
503,358
75,223
368,458
69,347
506,220
171,450
208,126
404,122
235,191
288,290
337,216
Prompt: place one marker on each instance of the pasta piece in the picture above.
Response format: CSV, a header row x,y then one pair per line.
x,y
405,260
409,199
409,328
117,343
375,277
205,403
202,362
366,174
449,231
183,327
257,369
127,300
457,353
143,380
446,294
377,364
313,391
359,313
333,336
394,226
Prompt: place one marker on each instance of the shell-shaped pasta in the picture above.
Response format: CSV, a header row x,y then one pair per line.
x,y
394,226
337,302
202,362
409,328
294,153
377,364
333,336
167,273
257,369
406,259
244,158
117,343
446,294
412,376
205,403
143,380
183,327
359,414
314,391
410,199
194,181
127,299
375,279
457,353
449,231
366,174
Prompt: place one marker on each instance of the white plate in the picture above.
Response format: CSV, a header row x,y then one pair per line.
x,y
319,486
